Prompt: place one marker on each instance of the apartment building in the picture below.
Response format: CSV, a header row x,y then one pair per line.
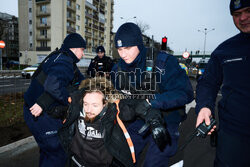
x,y
43,24
9,34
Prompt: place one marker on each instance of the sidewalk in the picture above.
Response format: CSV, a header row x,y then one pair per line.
x,y
19,154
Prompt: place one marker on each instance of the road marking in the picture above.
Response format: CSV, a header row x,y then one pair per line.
x,y
8,77
6,85
26,83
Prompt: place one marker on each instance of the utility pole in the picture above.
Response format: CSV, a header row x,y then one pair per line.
x,y
205,31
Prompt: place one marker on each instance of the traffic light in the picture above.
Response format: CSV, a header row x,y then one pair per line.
x,y
164,43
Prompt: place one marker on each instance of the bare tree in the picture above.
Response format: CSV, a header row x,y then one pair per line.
x,y
143,26
1,28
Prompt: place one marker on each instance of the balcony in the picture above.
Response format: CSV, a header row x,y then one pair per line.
x,y
88,34
72,19
89,15
90,5
43,48
95,27
89,25
71,29
95,37
43,13
102,11
72,7
101,28
43,37
43,25
42,1
96,17
102,5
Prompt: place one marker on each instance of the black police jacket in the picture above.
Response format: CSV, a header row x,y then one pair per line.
x,y
100,65
228,70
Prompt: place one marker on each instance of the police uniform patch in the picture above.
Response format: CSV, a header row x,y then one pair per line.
x,y
119,43
237,4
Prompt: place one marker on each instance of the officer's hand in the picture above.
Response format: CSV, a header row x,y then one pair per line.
x,y
36,110
160,134
204,114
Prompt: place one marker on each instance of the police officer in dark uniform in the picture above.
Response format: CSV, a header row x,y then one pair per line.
x,y
173,92
101,65
229,66
50,87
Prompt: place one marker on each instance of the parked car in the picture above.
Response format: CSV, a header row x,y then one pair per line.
x,y
183,66
29,71
201,67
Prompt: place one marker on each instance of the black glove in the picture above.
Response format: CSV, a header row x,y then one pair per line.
x,y
157,125
160,134
75,107
127,112
141,108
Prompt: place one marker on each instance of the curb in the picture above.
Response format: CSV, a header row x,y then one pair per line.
x,y
18,147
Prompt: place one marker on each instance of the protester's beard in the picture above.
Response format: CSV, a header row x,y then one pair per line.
x,y
90,120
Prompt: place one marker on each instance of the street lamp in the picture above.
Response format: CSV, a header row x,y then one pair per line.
x,y
128,18
205,32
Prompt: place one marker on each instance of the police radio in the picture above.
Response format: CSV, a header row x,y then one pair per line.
x,y
201,131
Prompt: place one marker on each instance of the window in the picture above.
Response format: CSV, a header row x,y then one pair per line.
x,y
30,33
30,45
43,43
43,20
30,10
43,32
68,3
78,17
68,14
77,28
43,8
30,21
78,6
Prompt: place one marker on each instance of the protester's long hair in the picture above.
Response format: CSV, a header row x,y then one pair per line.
x,y
101,85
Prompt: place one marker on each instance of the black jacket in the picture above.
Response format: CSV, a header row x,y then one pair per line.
x,y
229,70
114,139
100,65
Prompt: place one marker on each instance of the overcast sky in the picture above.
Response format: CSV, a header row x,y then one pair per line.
x,y
179,20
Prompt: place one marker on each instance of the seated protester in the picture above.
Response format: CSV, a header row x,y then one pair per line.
x,y
101,65
94,134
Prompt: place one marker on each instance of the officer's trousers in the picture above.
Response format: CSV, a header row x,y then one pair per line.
x,y
232,151
154,157
44,130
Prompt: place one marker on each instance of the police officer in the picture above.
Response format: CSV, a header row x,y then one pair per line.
x,y
101,64
174,91
50,87
229,66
